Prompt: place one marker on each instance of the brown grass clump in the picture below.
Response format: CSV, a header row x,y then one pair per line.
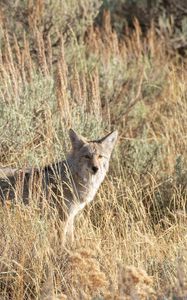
x,y
134,283
85,275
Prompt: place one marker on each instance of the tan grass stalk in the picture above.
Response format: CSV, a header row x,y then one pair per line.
x,y
49,55
95,102
26,61
41,54
62,96
76,88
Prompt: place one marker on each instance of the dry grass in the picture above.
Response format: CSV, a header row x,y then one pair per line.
x,y
138,219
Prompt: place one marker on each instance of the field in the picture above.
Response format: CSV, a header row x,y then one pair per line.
x,y
58,70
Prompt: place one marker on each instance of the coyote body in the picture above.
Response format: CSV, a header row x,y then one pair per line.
x,y
68,184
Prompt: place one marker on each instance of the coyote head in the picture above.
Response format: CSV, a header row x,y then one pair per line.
x,y
90,159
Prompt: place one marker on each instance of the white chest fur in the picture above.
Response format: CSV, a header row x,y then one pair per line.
x,y
92,187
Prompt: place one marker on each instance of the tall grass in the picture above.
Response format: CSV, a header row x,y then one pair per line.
x,y
138,220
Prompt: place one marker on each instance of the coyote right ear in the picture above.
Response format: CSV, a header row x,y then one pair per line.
x,y
76,140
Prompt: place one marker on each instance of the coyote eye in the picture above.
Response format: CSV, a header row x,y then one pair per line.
x,y
100,156
87,156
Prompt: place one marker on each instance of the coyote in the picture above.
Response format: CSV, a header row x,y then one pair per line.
x,y
72,183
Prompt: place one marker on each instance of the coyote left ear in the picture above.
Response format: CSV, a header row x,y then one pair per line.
x,y
76,140
109,141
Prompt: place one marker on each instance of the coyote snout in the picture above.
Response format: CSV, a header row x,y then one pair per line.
x,y
95,169
93,162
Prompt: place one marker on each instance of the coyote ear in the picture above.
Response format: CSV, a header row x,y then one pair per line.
x,y
109,141
76,140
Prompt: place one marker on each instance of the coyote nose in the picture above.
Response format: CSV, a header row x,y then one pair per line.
x,y
95,169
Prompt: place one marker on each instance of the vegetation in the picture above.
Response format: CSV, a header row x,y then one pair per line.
x,y
58,70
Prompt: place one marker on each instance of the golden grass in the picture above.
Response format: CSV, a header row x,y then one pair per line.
x,y
138,219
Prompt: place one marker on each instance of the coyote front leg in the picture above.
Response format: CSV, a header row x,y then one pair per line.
x,y
69,225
